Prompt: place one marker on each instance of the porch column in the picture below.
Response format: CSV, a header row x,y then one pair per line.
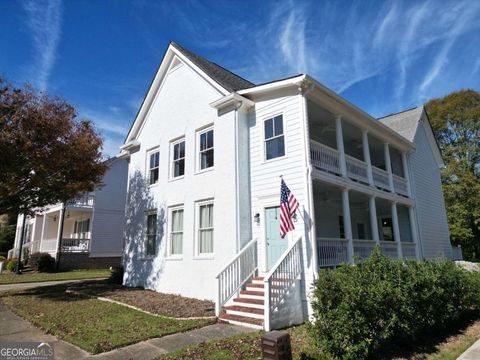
x,y
396,230
388,166
373,219
406,173
44,227
347,224
366,156
413,230
340,147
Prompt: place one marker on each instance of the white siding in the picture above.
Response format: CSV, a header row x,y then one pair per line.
x,y
428,194
180,108
109,212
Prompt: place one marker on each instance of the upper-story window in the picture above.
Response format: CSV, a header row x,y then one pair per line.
x,y
178,158
206,149
153,167
274,138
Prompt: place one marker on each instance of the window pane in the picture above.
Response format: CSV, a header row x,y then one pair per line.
x,y
151,234
206,159
278,125
153,176
177,220
268,129
210,139
275,148
203,141
179,168
176,245
182,149
206,216
154,160
206,241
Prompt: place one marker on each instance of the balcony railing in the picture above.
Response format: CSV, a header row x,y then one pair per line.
x,y
380,178
357,169
324,157
400,185
82,201
334,251
75,245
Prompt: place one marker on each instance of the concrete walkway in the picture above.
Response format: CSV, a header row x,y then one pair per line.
x,y
14,328
472,353
21,286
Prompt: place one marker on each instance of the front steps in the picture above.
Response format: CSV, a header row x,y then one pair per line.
x,y
248,308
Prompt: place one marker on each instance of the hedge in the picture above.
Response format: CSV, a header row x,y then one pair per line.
x,y
357,309
42,262
12,264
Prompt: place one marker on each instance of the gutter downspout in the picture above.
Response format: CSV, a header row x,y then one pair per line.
x,y
308,175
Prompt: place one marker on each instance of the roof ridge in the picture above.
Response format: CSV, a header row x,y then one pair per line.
x,y
399,112
228,79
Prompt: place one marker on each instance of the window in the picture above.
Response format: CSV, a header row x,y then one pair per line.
x,y
274,138
206,149
341,227
205,228
176,231
387,229
178,161
151,234
153,166
361,231
81,228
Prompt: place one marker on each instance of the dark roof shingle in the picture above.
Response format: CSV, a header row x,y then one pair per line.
x,y
222,76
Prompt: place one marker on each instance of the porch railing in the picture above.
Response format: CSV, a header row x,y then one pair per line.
x,y
75,245
408,250
332,252
279,280
324,157
363,248
357,169
400,185
49,245
389,248
85,200
380,178
236,274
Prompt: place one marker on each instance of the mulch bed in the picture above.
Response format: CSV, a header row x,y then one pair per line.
x,y
151,301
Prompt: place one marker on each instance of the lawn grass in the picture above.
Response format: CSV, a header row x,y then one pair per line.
x,y
93,325
11,278
441,346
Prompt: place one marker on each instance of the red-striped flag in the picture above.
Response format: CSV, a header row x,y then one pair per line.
x,y
288,207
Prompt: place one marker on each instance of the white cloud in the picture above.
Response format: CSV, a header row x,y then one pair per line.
x,y
44,22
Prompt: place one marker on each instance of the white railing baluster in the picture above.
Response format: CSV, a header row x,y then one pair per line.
x,y
380,178
400,185
236,273
324,157
357,169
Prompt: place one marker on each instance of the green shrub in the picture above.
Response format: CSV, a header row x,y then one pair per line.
x,y
117,275
359,308
42,262
12,264
2,258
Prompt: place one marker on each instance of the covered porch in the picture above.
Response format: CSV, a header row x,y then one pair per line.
x,y
349,224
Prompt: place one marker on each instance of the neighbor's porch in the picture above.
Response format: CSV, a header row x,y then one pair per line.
x,y
349,224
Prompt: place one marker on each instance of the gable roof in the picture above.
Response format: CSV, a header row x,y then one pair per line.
x,y
405,122
227,79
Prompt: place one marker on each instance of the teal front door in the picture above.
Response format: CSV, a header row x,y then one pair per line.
x,y
276,246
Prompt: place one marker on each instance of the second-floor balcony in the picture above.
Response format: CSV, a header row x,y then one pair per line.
x,y
87,200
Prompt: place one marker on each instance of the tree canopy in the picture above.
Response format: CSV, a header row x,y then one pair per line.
x,y
455,120
47,154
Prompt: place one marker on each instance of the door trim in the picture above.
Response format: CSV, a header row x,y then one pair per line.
x,y
264,203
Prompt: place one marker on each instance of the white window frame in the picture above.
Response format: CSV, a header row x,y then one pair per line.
x,y
264,120
172,158
147,214
170,232
198,152
81,234
147,165
197,254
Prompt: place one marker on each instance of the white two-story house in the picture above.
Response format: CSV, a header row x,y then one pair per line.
x,y
91,235
206,153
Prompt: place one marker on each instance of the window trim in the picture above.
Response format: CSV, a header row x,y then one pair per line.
x,y
145,243
197,254
198,164
264,141
169,255
172,155
150,152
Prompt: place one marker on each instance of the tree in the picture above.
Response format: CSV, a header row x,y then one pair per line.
x,y
455,120
47,155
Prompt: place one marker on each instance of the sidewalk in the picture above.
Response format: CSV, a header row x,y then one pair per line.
x,y
21,286
15,328
472,353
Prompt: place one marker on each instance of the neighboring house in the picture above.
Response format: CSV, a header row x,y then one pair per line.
x,y
92,229
206,152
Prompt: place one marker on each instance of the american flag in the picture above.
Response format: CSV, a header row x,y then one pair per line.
x,y
288,206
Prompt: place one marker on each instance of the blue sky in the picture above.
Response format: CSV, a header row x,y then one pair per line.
x,y
384,56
